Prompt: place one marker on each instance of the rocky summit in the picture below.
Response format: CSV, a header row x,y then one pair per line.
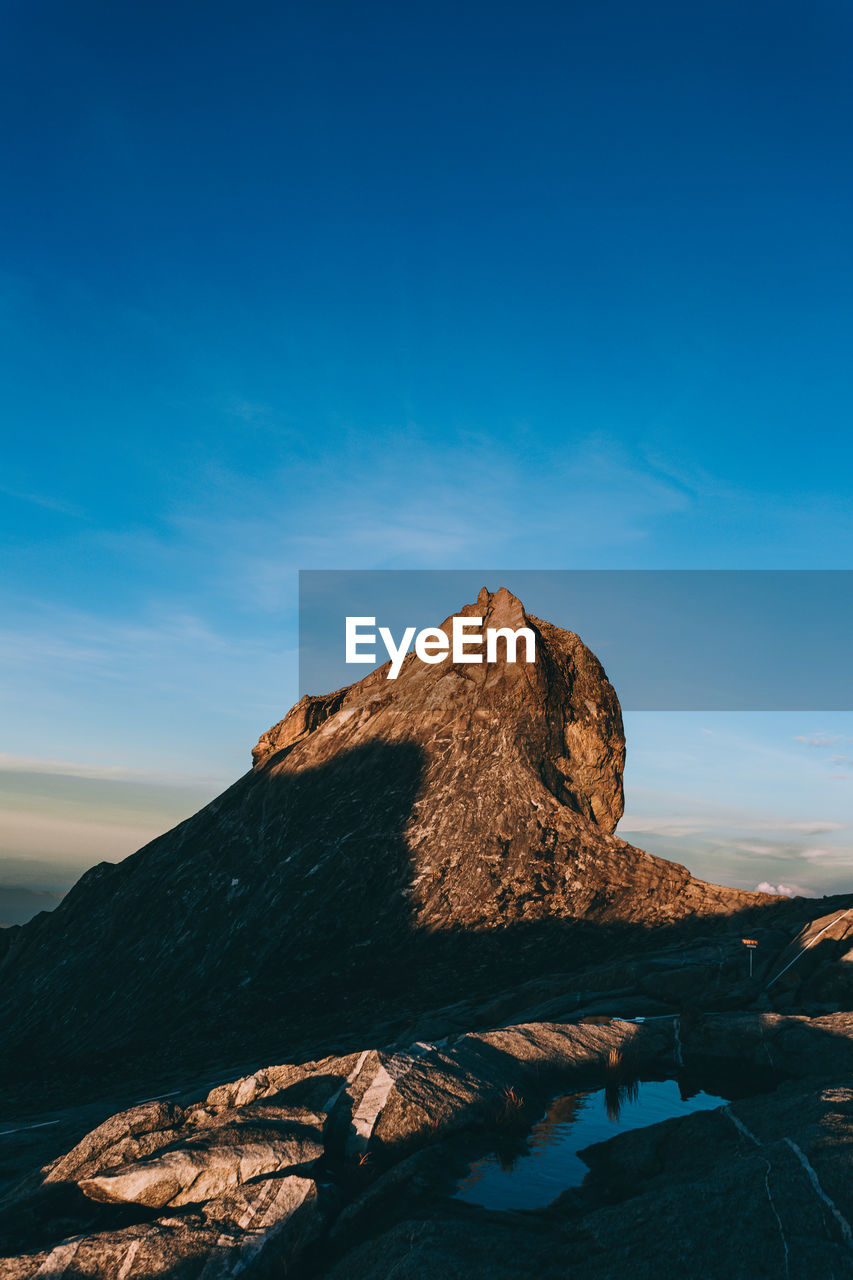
x,y
416,906
396,844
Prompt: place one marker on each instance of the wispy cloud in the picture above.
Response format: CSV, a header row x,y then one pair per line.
x,y
663,826
102,771
45,500
76,638
156,655
159,695
807,828
829,857
401,499
679,825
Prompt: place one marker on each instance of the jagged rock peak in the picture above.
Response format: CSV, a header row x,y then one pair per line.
x,y
399,845
559,715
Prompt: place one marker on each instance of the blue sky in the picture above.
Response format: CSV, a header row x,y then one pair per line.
x,y
543,286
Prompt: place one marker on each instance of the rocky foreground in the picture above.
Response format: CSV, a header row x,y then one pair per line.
x,y
344,1168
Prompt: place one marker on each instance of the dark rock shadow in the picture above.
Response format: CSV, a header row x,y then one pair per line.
x,y
275,925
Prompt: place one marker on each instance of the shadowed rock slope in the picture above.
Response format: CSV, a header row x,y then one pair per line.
x,y
395,844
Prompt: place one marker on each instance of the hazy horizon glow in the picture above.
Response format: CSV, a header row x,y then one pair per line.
x,y
701,789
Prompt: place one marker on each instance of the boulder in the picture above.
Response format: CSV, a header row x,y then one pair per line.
x,y
124,1137
238,1149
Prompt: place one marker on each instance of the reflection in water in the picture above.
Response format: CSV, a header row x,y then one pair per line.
x,y
620,1086
616,1094
530,1173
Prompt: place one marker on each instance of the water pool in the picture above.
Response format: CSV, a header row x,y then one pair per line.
x,y
548,1163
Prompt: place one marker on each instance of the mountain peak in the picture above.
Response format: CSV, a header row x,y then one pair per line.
x,y
555,722
397,842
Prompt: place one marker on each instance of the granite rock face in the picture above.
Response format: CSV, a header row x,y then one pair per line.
x,y
361,1184
560,714
818,963
396,844
241,1147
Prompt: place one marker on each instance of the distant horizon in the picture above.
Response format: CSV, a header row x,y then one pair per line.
x,y
70,817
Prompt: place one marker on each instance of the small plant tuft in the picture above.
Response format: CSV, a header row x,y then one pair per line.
x,y
513,1101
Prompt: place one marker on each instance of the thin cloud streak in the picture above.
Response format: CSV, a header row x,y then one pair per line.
x,y
47,502
105,772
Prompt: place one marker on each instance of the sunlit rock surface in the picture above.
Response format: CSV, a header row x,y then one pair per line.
x,y
395,843
360,1185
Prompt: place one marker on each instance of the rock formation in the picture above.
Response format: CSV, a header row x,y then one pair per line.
x,y
424,872
345,1167
396,843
